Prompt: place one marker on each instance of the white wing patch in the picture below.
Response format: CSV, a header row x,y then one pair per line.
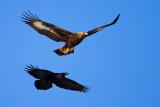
x,y
39,25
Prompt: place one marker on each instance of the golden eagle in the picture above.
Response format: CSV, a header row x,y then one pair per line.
x,y
58,34
47,78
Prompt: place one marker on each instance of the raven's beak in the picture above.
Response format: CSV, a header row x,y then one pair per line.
x,y
66,73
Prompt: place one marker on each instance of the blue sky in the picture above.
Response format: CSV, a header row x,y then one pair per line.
x,y
120,64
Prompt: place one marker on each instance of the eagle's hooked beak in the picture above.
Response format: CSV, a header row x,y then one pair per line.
x,y
85,33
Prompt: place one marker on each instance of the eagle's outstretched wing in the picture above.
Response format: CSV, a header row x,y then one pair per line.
x,y
37,72
71,85
51,31
102,27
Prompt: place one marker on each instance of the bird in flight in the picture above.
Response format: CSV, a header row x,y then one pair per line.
x,y
59,34
46,78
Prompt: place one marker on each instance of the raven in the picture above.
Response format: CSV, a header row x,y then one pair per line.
x,y
46,78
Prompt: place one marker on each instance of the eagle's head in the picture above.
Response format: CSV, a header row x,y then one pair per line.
x,y
82,34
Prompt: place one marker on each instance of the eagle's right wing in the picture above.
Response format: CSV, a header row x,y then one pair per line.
x,y
51,31
95,30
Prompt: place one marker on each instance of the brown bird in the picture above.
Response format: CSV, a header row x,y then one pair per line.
x,y
58,34
47,78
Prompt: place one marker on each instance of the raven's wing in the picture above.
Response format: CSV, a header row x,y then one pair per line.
x,y
37,72
102,27
43,84
70,84
51,31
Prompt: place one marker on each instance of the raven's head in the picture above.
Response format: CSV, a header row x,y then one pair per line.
x,y
61,75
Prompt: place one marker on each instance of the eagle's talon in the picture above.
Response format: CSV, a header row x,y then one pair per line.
x,y
65,51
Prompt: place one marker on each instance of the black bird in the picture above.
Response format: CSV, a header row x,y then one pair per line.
x,y
58,34
46,78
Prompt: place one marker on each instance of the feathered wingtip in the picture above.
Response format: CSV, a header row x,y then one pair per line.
x,y
115,20
85,89
28,16
30,67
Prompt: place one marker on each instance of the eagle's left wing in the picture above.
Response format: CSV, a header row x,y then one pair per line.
x,y
102,27
51,31
71,85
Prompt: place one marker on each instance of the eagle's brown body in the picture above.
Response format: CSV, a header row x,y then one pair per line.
x,y
71,43
60,35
